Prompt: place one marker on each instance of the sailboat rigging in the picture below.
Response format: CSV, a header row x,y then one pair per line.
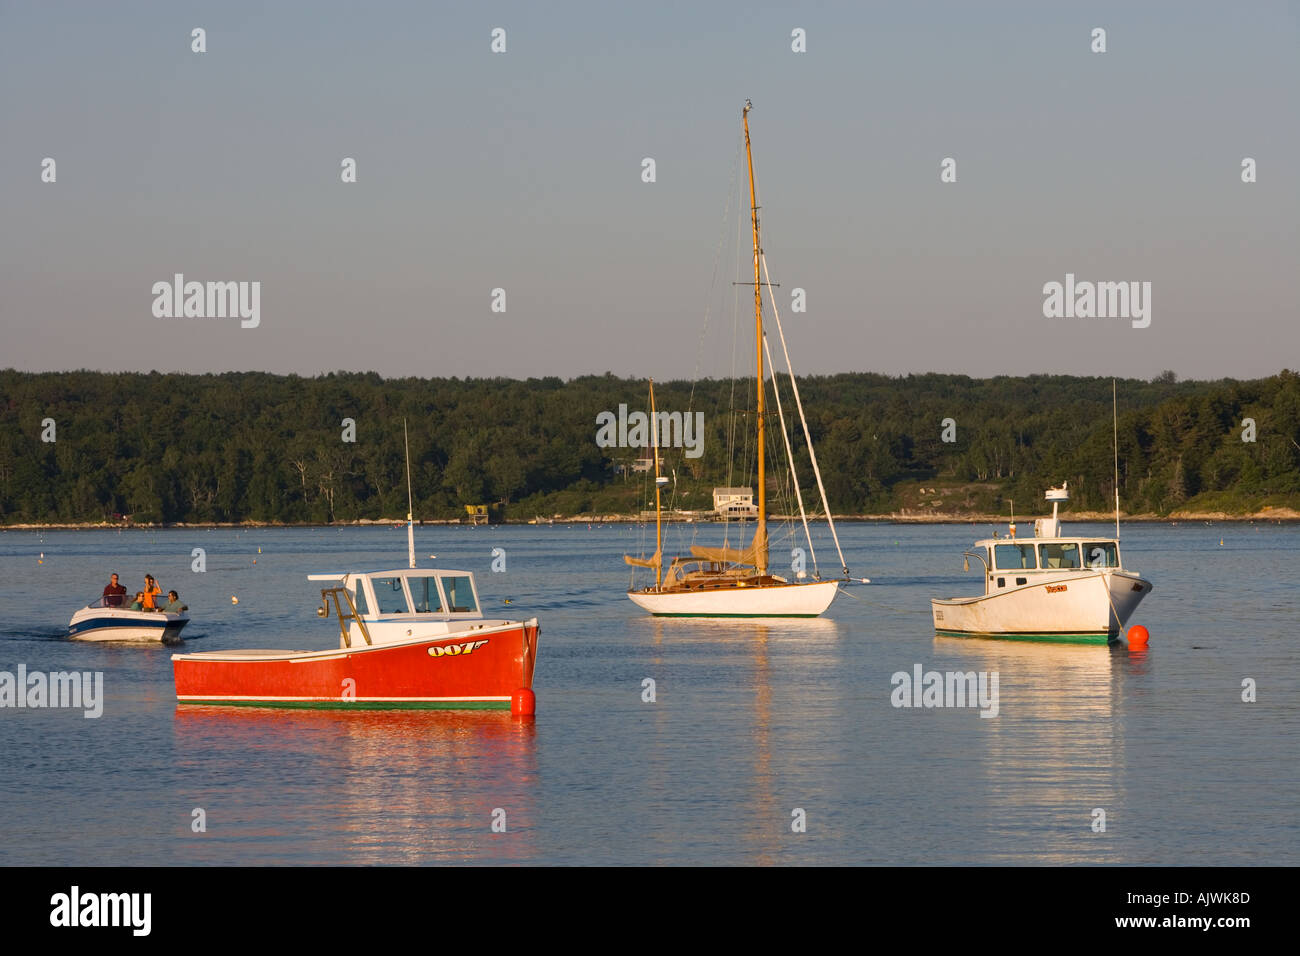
x,y
737,581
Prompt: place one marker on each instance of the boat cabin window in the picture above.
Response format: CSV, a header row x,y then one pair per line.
x,y
1100,554
1064,556
389,596
424,594
359,599
1014,556
460,593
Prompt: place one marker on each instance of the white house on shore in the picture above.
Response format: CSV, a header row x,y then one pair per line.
x,y
734,503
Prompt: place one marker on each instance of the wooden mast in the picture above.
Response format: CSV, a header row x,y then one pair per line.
x,y
659,531
760,532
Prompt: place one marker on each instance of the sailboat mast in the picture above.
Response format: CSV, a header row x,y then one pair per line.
x,y
659,528
760,533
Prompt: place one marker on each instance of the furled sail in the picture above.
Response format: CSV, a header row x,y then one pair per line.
x,y
654,561
751,555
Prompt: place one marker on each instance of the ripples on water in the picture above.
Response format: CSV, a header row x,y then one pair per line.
x,y
751,720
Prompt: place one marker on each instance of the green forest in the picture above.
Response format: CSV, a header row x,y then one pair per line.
x,y
92,446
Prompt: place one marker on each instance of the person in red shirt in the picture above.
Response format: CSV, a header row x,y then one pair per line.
x,y
114,594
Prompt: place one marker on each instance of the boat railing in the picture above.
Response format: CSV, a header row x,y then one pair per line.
x,y
345,636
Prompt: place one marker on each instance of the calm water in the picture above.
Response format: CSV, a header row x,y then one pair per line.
x,y
750,722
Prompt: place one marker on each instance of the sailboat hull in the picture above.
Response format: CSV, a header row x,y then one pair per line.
x,y
776,600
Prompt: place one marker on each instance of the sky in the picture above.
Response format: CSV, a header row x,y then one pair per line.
x,y
523,170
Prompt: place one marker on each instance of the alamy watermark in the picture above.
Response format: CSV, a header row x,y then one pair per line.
x,y
75,908
946,689
1101,300
58,689
208,300
632,430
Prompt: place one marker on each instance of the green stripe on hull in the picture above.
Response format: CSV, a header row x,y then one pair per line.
x,y
359,704
1080,637
652,614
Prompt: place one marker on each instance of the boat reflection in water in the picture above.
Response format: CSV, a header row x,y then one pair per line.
x,y
1056,751
786,665
362,787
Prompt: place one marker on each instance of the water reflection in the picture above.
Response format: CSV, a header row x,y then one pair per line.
x,y
365,787
1055,751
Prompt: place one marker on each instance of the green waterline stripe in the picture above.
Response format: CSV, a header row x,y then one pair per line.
x,y
1068,637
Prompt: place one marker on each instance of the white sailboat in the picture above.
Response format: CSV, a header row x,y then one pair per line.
x,y
737,582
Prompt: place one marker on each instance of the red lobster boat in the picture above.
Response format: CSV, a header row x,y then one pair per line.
x,y
408,638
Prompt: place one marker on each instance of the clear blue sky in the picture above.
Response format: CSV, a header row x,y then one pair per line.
x,y
523,171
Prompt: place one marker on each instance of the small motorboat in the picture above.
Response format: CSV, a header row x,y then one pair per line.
x,y
100,621
1053,587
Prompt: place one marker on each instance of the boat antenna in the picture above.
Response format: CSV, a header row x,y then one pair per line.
x,y
410,508
1114,412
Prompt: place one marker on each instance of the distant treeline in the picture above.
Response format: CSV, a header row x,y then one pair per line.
x,y
261,447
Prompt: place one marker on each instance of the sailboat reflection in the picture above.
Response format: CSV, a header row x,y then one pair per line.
x,y
771,732
365,787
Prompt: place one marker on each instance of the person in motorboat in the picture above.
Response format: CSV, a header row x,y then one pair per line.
x,y
114,593
138,605
174,605
151,592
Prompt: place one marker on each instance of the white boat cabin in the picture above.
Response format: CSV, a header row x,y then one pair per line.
x,y
391,605
1013,562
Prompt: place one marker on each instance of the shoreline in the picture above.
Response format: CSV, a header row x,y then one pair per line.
x,y
1276,515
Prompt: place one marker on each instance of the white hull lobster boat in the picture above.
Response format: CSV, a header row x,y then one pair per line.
x,y
99,622
1054,587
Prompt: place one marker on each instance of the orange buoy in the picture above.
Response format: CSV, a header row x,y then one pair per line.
x,y
1138,636
523,703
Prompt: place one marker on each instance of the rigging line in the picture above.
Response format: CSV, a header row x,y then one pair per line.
x,y
884,607
717,257
789,454
735,337
794,386
735,418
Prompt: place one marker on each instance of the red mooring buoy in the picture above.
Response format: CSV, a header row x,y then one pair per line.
x,y
1138,636
523,703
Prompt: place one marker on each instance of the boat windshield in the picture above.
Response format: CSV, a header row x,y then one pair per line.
x,y
1062,556
424,592
460,593
1014,557
1100,554
389,596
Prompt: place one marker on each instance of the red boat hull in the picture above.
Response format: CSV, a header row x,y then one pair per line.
x,y
469,670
